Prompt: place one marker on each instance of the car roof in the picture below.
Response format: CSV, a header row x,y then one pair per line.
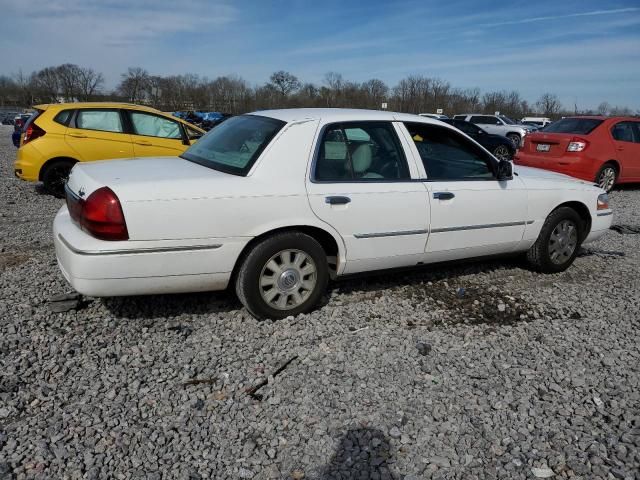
x,y
605,117
61,106
290,115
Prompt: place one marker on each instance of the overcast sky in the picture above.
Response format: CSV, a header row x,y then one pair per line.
x,y
586,51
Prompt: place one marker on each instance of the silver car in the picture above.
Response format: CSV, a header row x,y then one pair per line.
x,y
498,125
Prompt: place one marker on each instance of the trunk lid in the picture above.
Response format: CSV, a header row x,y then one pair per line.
x,y
552,145
154,178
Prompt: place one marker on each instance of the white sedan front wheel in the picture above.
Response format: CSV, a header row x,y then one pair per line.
x,y
285,274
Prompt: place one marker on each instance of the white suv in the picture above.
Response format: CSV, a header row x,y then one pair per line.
x,y
498,125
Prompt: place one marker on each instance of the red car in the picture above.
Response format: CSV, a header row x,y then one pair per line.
x,y
604,150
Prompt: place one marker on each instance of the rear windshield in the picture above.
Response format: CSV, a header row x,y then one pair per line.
x,y
581,126
234,145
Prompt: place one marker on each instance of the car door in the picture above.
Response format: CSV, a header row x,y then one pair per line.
x,y
363,185
98,134
626,140
155,136
472,213
488,123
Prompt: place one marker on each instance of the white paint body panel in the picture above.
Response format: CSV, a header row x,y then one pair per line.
x,y
188,224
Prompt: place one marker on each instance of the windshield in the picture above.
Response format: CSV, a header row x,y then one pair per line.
x,y
581,126
234,145
507,120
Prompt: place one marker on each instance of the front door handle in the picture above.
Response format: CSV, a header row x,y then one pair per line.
x,y
143,142
443,195
337,200
77,135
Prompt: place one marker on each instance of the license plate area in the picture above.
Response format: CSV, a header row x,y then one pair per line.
x,y
543,147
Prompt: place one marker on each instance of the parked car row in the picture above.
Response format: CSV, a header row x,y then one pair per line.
x,y
275,203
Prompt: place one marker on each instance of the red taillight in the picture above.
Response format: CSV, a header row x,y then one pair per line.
x,y
32,132
100,215
577,145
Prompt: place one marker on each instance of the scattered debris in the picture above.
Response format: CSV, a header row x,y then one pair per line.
x,y
424,348
65,302
200,381
626,229
544,472
297,474
359,330
182,329
252,391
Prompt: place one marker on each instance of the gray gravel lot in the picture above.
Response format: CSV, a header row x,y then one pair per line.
x,y
471,371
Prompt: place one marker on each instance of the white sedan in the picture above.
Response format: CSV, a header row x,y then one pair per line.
x,y
276,203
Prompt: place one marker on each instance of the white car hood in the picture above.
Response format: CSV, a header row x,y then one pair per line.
x,y
539,178
153,178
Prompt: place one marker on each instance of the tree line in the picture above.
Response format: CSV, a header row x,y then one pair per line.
x,y
232,94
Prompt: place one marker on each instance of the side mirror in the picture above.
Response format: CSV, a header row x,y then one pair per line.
x,y
505,170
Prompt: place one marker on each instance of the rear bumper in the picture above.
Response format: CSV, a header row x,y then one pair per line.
x,y
104,269
574,166
28,163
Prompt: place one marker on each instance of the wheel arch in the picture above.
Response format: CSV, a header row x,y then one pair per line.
x,y
583,211
330,242
613,162
52,160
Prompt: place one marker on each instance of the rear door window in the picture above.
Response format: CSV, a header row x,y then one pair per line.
x,y
625,132
360,152
100,119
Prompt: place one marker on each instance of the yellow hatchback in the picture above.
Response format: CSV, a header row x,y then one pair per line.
x,y
59,135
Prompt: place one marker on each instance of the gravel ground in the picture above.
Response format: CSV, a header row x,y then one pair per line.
x,y
470,371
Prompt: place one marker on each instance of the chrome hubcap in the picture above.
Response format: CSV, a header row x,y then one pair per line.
x,y
501,153
287,279
563,242
607,179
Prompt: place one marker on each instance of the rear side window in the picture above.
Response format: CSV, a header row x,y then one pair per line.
x,y
448,155
63,117
483,119
104,120
626,132
459,117
360,151
235,144
151,125
580,126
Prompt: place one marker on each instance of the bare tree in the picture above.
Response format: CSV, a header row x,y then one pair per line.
x,y
134,84
284,82
47,83
603,108
89,83
549,105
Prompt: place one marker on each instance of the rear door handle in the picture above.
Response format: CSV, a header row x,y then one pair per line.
x,y
620,149
143,142
337,200
77,135
443,195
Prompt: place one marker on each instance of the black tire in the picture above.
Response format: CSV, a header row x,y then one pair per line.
x,y
502,152
515,139
252,269
55,175
607,176
539,255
